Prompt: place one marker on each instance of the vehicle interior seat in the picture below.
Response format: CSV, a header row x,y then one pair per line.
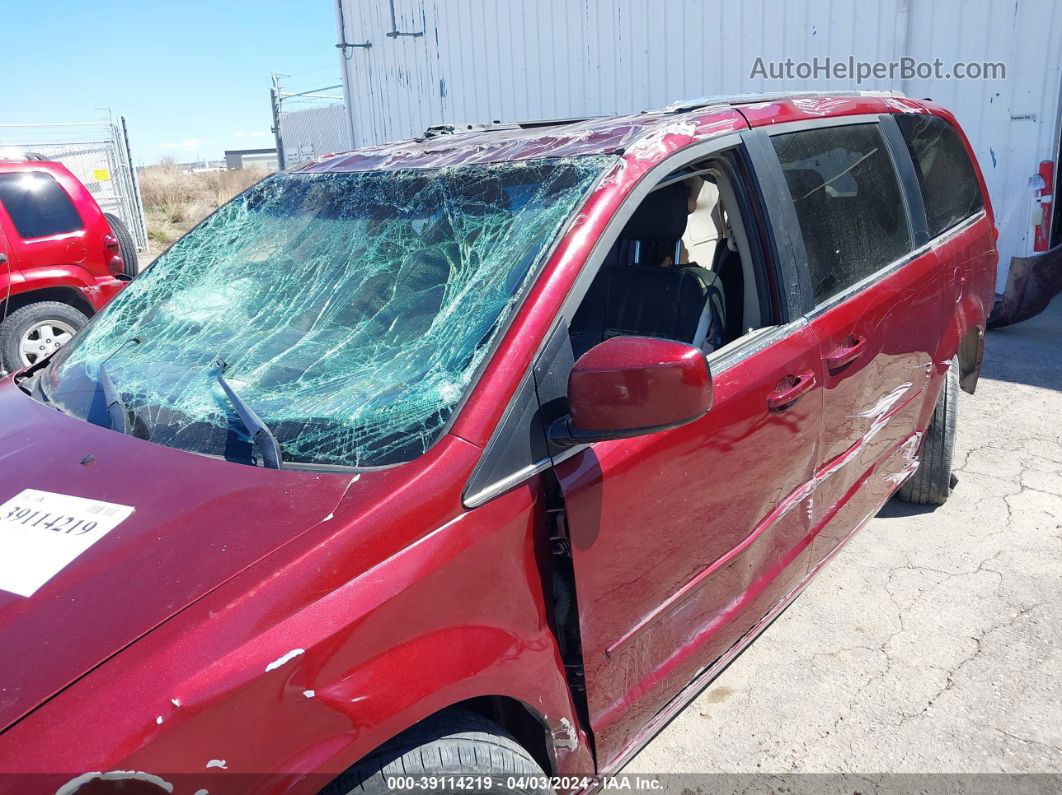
x,y
727,266
703,230
643,298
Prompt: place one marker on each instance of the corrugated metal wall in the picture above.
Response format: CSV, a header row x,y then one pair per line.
x,y
481,60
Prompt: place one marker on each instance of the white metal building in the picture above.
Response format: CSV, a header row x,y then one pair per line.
x,y
251,158
408,64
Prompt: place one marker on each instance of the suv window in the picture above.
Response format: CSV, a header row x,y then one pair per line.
x,y
949,184
848,203
38,206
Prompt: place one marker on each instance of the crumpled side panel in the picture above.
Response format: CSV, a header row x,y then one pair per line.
x,y
351,309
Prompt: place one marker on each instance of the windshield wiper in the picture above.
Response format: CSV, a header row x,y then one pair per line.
x,y
113,400
258,430
116,407
30,381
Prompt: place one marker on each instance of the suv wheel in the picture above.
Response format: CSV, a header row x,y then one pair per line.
x,y
35,331
126,245
446,746
931,482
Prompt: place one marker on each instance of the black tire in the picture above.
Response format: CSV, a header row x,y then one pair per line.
x,y
453,743
126,244
931,482
18,323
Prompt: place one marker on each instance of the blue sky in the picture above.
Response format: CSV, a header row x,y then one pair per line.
x,y
191,77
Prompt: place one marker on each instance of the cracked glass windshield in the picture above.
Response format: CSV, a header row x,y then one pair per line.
x,y
349,311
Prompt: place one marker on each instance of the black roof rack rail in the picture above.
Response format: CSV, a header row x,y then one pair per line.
x,y
675,107
461,128
680,106
456,129
683,105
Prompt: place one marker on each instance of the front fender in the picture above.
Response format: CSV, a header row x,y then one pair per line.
x,y
475,625
289,698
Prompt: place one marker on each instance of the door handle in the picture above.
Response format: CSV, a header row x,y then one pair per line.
x,y
796,386
845,353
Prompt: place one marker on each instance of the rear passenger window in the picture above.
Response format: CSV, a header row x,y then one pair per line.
x,y
37,205
949,184
848,203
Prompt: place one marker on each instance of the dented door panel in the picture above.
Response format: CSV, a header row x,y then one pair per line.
x,y
873,404
683,540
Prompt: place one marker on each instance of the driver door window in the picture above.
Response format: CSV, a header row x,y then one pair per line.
x,y
682,268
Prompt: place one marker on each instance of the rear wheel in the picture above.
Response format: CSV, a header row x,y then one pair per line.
x,y
931,482
35,331
126,244
442,749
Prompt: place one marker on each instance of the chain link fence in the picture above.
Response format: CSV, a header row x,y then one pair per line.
x,y
308,124
97,153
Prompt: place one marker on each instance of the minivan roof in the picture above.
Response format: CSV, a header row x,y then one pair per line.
x,y
463,144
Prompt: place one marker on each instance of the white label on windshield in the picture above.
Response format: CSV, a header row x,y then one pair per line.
x,y
42,532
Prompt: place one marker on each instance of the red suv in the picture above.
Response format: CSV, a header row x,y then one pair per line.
x,y
61,258
480,453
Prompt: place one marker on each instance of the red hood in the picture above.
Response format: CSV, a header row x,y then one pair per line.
x,y
197,522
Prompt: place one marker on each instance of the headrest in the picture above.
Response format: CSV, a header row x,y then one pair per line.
x,y
803,182
661,217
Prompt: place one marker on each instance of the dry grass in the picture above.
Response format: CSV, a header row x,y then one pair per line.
x,y
175,201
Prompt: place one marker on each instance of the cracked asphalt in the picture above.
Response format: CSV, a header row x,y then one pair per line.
x,y
933,642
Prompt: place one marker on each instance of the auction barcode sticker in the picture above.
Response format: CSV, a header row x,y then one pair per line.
x,y
42,532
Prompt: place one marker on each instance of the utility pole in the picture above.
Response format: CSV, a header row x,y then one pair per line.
x,y
274,99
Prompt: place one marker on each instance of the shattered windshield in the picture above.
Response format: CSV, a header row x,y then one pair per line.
x,y
348,310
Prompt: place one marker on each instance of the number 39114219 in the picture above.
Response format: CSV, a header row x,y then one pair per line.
x,y
58,523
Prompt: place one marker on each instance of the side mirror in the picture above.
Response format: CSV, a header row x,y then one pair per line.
x,y
630,386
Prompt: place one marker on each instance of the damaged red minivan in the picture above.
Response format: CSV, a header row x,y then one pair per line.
x,y
479,454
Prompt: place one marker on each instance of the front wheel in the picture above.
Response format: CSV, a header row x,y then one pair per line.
x,y
444,752
35,331
931,482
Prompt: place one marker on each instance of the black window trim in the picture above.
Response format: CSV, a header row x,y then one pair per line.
x,y
971,162
802,125
908,177
781,217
